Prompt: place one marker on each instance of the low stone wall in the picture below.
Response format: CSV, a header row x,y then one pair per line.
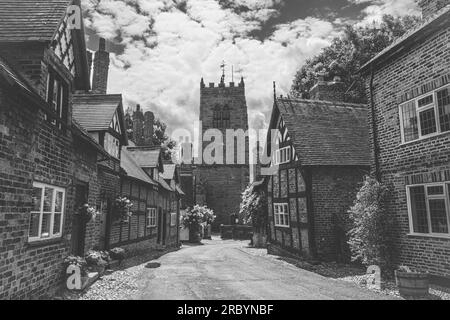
x,y
236,232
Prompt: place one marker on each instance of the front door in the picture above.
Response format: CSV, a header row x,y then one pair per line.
x,y
161,227
79,223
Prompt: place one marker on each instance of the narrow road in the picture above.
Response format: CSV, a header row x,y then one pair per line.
x,y
227,270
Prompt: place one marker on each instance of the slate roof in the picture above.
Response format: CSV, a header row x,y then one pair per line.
x,y
95,111
327,133
434,22
30,20
13,77
132,168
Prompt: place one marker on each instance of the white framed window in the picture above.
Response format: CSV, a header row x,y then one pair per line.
x,y
425,116
173,219
281,214
429,209
282,156
47,212
151,217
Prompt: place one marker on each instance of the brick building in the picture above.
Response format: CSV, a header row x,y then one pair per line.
x,y
220,184
322,156
408,85
44,153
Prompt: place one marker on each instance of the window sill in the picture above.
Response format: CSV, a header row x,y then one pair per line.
x,y
427,235
283,227
43,242
431,136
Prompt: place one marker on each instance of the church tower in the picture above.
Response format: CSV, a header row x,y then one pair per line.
x,y
223,106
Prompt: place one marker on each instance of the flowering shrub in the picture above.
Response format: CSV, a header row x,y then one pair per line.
x,y
122,206
117,253
78,261
369,238
197,216
87,212
252,206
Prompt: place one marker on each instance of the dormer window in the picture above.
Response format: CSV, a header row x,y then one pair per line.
x,y
57,98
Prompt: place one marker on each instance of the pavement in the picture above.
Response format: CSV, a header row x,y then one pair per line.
x,y
231,270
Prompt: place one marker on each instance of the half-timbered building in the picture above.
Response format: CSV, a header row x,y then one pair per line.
x,y
320,159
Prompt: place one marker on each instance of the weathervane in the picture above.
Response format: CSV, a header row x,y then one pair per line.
x,y
222,66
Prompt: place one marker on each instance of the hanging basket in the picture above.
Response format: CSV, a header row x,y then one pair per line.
x,y
121,209
87,213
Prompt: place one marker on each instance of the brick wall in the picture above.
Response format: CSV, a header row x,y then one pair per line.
x,y
333,193
85,170
422,63
31,150
430,7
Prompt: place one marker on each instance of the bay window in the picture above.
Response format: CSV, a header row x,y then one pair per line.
x,y
425,116
429,208
46,216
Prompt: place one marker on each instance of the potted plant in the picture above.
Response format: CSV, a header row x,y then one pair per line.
x,y
194,218
95,261
78,261
122,206
87,212
117,254
412,283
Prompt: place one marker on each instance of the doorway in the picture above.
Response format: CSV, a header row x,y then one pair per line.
x,y
161,226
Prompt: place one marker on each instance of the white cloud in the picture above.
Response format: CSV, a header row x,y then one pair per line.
x,y
377,8
168,50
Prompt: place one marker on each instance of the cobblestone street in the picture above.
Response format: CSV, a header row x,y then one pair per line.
x,y
221,270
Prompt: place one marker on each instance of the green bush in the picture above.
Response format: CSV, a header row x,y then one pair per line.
x,y
369,238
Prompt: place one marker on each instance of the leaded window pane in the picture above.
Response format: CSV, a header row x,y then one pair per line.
x,y
419,210
409,120
427,122
443,100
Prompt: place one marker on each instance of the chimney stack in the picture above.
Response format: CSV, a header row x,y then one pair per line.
x,y
101,67
328,91
430,7
149,119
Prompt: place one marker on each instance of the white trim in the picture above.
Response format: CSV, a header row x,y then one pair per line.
x,y
151,217
278,155
56,189
173,219
418,110
277,214
445,196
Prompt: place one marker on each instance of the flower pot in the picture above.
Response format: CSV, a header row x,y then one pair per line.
x,y
412,283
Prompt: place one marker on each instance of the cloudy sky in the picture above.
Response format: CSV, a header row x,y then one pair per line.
x,y
162,48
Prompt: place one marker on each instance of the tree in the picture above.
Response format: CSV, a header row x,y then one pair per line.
x,y
346,54
160,138
252,210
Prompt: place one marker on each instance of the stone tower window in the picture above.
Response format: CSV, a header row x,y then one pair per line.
x,y
217,117
226,117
